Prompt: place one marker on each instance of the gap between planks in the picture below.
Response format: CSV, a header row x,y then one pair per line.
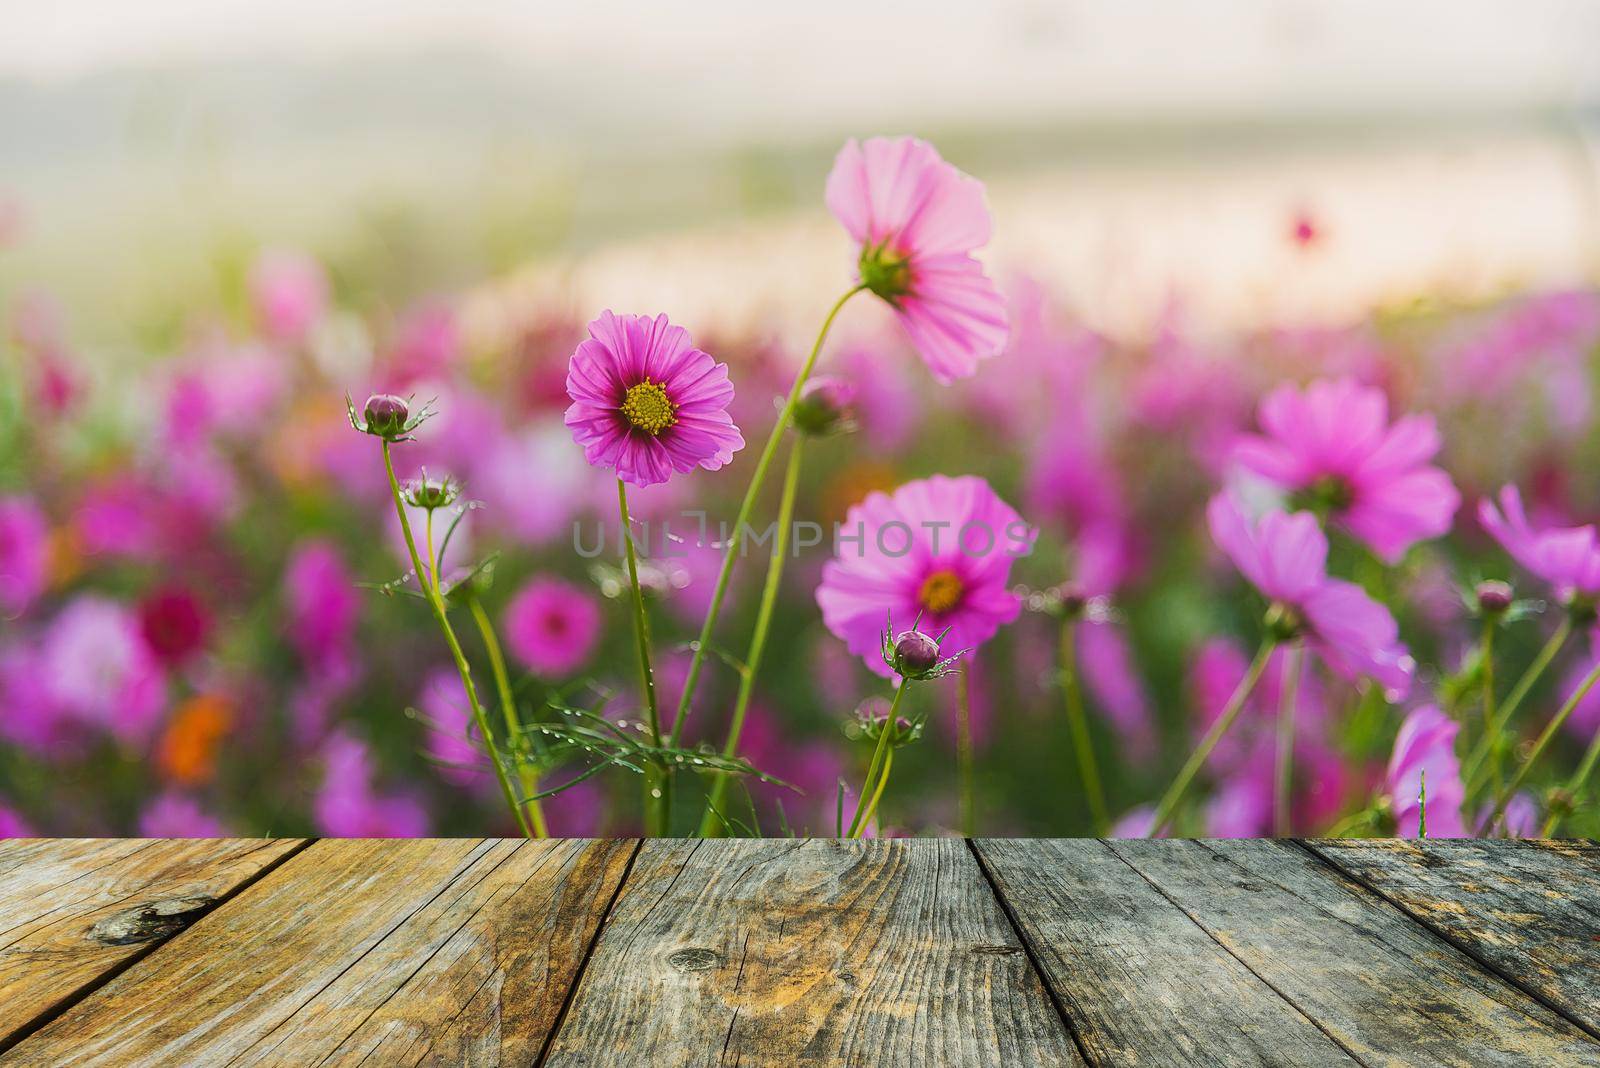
x,y
588,953
1460,945
1033,959
49,1015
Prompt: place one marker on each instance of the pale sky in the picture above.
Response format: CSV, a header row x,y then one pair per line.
x,y
955,59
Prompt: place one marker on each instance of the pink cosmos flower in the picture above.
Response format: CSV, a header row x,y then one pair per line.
x,y
1218,669
1568,558
289,291
1426,743
1135,823
175,624
647,403
1585,718
346,805
33,720
939,548
98,670
176,816
321,602
532,483
1333,440
576,812
813,768
1114,686
1242,806
1285,557
453,742
12,825
24,554
918,221
425,345
552,626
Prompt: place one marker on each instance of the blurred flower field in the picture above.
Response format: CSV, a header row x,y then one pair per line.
x,y
1297,580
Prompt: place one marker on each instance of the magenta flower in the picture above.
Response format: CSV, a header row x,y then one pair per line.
x,y
346,805
1568,558
1218,669
98,670
12,825
939,548
1426,743
918,220
1108,674
175,624
1334,442
33,719
647,403
176,816
289,292
1242,806
1520,820
552,626
453,741
24,554
321,602
1285,557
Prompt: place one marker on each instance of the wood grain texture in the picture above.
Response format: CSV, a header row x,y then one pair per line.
x,y
1529,909
396,952
816,952
73,911
1377,982
1143,982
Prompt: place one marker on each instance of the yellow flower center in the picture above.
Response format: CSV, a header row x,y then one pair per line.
x,y
940,592
648,407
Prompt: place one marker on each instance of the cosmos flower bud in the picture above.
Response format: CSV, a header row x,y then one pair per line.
x,y
432,493
386,414
1494,597
872,719
916,655
1074,602
825,406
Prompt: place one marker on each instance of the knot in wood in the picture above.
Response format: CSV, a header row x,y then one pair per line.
x,y
693,959
150,921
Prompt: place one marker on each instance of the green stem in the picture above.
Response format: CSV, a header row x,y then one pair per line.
x,y
1486,663
436,602
1574,785
1490,743
746,507
879,754
1078,725
1197,759
1362,820
877,793
964,763
527,775
711,826
1545,738
655,778
1284,770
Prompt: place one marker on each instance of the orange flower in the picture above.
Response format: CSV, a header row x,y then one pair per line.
x,y
187,751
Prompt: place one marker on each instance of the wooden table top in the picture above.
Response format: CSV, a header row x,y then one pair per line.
x,y
783,952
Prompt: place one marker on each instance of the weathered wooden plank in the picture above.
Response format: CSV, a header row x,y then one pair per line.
x,y
1376,981
817,952
1531,910
454,951
1142,981
73,911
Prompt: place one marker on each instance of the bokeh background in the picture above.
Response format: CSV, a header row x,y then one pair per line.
x,y
217,218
